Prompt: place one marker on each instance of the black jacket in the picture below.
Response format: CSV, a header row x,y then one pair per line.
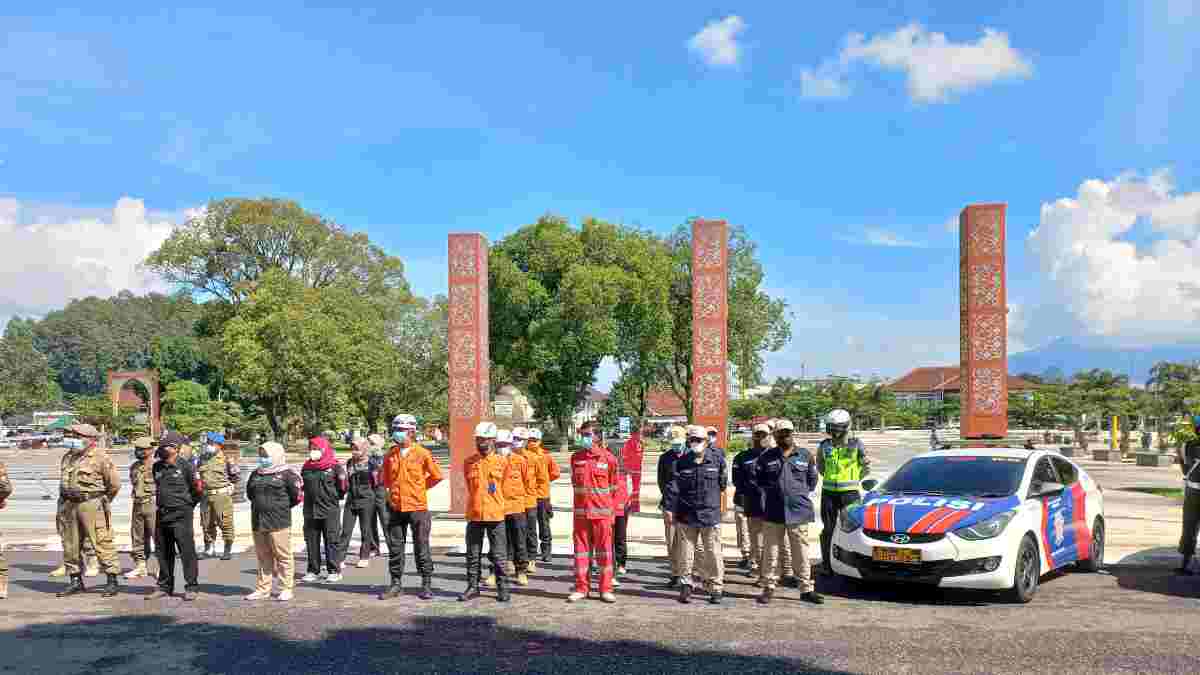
x,y
746,493
786,483
694,490
176,491
271,497
666,464
361,479
323,491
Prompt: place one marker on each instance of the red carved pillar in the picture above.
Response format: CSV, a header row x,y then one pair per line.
x,y
983,316
468,354
710,313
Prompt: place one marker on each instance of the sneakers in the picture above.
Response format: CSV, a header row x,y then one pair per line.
x,y
576,596
790,582
392,591
209,551
426,588
616,582
284,596
490,580
522,579
813,597
189,596
471,593
93,569
60,571
257,595
608,597
309,578
158,594
621,571
362,563
137,572
342,565
228,553
531,566
715,597
333,578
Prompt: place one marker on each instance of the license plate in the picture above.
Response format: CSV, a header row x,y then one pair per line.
x,y
896,555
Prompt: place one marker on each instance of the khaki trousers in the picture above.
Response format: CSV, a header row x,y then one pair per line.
x,y
743,533
760,550
217,510
141,530
274,551
672,531
88,521
774,534
709,561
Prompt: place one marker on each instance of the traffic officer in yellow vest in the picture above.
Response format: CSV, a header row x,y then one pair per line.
x,y
220,478
842,463
89,481
143,509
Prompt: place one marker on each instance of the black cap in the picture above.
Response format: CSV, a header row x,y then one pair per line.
x,y
173,439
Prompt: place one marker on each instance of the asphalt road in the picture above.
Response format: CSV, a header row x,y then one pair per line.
x,y
1128,620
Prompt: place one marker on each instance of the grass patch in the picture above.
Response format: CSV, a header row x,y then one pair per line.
x,y
1176,493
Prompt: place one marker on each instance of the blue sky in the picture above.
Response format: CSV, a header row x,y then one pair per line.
x,y
844,157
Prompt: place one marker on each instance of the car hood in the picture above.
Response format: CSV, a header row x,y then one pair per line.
x,y
925,514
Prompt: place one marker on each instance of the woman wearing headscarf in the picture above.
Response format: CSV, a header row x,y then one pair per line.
x,y
379,524
272,490
360,502
324,486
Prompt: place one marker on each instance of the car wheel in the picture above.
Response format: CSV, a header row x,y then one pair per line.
x,y
1027,572
1096,558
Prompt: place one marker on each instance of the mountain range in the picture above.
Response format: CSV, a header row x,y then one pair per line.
x,y
1066,356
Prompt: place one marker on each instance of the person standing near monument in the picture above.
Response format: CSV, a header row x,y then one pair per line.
x,y
89,482
594,479
842,462
5,491
178,489
142,509
677,437
220,476
1189,464
483,475
695,501
785,476
409,471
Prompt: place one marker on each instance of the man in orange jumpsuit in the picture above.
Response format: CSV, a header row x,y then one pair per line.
x,y
536,476
544,507
594,478
517,476
484,477
409,471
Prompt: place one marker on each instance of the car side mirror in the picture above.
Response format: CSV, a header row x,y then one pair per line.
x,y
869,484
1046,489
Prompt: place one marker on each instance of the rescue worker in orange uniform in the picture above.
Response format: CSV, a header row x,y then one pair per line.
x,y
409,471
483,474
537,475
517,476
545,508
594,478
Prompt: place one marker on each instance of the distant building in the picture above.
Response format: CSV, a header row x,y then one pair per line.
x,y
589,410
933,384
664,407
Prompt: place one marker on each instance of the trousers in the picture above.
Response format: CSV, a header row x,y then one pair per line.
x,y
671,537
621,539
90,521
60,526
545,512
318,531
831,504
141,531
170,537
365,517
275,560
494,531
399,522
515,525
217,511
1191,521
531,533
379,525
759,549
708,561
774,534
743,533
589,536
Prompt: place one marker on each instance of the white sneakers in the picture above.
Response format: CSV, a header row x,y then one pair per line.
x,y
257,595
363,563
137,572
608,597
310,578
576,596
333,578
284,596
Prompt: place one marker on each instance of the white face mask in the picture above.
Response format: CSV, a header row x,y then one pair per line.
x,y
314,455
519,445
697,446
504,450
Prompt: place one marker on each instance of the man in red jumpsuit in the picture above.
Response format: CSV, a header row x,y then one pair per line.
x,y
594,478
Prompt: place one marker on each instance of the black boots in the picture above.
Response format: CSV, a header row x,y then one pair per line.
x,y
767,594
75,585
685,594
471,593
502,593
715,597
228,554
110,589
426,588
545,553
392,591
813,597
673,583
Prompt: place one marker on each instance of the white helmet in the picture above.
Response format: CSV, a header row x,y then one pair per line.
x,y
485,430
520,433
535,434
404,422
504,436
837,421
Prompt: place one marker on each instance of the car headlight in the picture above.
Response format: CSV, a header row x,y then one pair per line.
x,y
848,520
986,529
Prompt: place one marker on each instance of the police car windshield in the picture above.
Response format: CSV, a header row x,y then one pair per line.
x,y
958,475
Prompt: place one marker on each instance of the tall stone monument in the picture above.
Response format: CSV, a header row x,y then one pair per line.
x,y
983,322
710,312
468,354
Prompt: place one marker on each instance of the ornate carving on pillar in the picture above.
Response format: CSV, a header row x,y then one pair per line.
x,y
710,312
468,358
983,308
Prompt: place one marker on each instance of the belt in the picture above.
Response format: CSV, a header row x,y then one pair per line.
x,y
840,486
227,490
77,498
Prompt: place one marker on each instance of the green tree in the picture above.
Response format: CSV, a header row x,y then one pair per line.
x,y
748,408
187,408
25,375
97,410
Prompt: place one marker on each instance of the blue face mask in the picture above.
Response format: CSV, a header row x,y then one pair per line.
x,y
264,462
73,443
399,436
585,442
677,447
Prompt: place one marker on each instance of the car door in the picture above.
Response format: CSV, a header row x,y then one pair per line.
x,y
1057,537
1080,516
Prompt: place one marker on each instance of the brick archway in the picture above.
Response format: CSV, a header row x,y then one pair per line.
x,y
149,379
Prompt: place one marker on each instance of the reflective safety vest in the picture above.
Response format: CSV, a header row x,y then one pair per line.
x,y
594,479
841,468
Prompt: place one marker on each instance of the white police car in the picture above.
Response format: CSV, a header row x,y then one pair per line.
x,y
988,518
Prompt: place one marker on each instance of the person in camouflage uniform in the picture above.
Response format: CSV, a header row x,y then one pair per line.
x,y
89,482
5,491
220,478
142,511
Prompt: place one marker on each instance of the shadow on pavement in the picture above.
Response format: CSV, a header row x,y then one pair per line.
x,y
1158,580
468,644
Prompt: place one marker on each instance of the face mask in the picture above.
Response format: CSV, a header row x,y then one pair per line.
x,y
314,455
677,447
696,446
483,447
73,443
399,436
264,462
504,450
585,442
519,445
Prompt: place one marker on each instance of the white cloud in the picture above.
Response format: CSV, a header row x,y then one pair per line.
x,y
717,43
49,255
877,236
1103,284
936,67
